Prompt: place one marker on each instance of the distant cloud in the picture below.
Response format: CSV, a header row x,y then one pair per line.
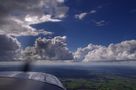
x,y
61,1
100,7
93,11
48,49
9,48
125,50
81,16
56,49
17,15
100,23
133,11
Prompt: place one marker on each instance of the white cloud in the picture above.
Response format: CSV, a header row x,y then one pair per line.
x,y
125,50
81,15
9,47
17,15
48,49
19,28
35,19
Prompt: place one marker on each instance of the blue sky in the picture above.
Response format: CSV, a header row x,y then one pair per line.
x,y
118,19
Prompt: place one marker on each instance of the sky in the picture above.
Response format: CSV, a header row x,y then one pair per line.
x,y
79,30
105,22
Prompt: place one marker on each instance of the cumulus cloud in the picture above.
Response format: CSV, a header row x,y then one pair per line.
x,y
16,19
125,50
17,15
48,49
9,48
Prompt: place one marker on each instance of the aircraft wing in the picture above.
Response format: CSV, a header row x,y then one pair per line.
x,y
29,81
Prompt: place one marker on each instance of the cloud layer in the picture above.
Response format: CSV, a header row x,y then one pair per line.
x,y
56,49
125,50
48,49
17,15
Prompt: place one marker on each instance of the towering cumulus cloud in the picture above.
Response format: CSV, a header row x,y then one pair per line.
x,y
125,50
17,15
48,49
9,48
16,18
